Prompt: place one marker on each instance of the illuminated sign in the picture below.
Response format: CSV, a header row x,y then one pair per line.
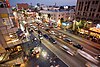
x,y
64,24
4,15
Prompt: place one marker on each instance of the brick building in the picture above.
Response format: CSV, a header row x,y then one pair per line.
x,y
88,10
22,6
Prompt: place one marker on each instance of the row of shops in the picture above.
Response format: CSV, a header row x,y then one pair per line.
x,y
92,33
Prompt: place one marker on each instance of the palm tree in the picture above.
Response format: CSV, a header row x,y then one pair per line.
x,y
40,15
49,16
62,20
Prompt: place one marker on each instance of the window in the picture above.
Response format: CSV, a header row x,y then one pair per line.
x,y
94,10
86,2
88,5
83,13
92,14
78,13
99,9
84,8
96,2
93,2
91,9
97,15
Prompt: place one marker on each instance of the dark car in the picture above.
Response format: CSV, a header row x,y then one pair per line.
x,y
47,30
98,57
67,40
52,40
46,36
39,32
78,46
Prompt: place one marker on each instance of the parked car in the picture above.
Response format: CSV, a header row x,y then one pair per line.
x,y
52,40
78,46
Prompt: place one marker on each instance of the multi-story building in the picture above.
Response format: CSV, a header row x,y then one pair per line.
x,y
55,15
7,23
22,6
88,10
58,14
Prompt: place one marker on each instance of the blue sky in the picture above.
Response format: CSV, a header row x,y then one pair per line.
x,y
47,2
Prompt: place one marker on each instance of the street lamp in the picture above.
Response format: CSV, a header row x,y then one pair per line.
x,y
44,54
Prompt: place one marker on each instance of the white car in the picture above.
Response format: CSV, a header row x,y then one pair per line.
x,y
36,29
41,37
66,49
52,32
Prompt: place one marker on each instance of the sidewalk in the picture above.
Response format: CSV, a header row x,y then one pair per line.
x,y
95,45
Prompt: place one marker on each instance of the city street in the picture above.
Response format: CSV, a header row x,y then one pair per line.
x,y
91,48
65,57
48,61
88,47
50,33
76,57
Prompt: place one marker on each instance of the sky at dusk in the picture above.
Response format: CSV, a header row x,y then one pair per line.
x,y
46,2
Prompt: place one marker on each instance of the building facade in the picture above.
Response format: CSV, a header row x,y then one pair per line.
x,y
88,10
22,6
55,14
7,24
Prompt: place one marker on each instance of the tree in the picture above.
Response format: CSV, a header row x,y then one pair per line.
x,y
39,14
61,7
49,16
38,4
62,20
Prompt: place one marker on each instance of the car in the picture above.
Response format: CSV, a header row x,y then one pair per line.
x,y
98,57
66,49
67,40
40,36
46,36
52,32
33,27
47,30
63,35
42,27
39,32
52,40
78,46
35,38
36,29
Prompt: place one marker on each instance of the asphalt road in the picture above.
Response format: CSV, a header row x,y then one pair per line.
x,y
51,59
77,60
89,49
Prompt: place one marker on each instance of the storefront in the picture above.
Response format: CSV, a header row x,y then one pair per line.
x,y
66,25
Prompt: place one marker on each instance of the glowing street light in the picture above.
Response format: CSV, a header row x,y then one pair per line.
x,y
44,54
10,35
